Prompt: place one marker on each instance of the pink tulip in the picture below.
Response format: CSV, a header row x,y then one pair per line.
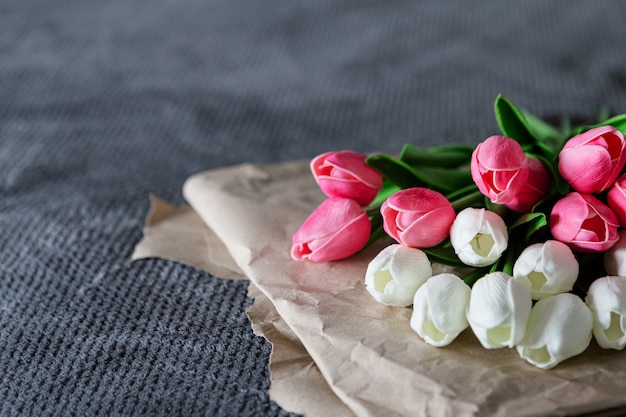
x,y
584,223
591,161
499,168
535,189
417,217
336,229
345,174
616,198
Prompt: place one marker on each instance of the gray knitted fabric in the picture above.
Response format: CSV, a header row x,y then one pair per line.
x,y
102,103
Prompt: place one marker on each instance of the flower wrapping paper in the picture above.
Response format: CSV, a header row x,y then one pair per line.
x,y
366,352
180,235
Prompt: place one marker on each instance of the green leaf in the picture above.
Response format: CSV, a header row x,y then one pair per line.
x,y
463,192
512,122
388,189
465,149
405,176
443,254
443,156
542,129
444,180
462,201
395,170
529,224
476,274
604,113
618,122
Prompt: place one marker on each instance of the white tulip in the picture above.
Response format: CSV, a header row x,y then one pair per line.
x,y
607,300
394,275
559,327
439,309
478,236
498,310
546,269
615,258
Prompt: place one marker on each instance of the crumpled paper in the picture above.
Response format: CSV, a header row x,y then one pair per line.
x,y
366,352
296,382
178,234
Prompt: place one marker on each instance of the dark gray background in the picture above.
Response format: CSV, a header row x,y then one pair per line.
x,y
104,102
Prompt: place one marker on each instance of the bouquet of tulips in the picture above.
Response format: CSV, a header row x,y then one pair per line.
x,y
528,224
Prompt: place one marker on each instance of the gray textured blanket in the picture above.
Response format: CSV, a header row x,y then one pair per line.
x,y
102,103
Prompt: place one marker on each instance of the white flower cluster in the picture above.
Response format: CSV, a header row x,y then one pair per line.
x,y
499,307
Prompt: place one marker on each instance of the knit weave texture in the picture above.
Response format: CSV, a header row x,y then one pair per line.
x,y
102,103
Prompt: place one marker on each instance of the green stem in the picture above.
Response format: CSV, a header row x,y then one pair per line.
x,y
475,275
373,211
468,189
507,268
468,201
376,234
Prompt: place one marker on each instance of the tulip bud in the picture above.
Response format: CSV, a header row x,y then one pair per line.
x,y
396,273
546,269
478,236
615,258
607,300
532,191
600,152
499,168
616,197
336,229
584,223
439,309
345,174
417,217
559,327
498,310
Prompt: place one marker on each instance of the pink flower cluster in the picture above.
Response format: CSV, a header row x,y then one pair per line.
x,y
587,219
590,162
339,227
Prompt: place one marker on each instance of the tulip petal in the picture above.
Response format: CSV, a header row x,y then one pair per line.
x,y
528,260
417,217
499,168
615,257
567,217
478,236
346,241
500,153
439,220
327,218
439,309
616,199
489,301
600,151
606,298
395,274
353,163
597,163
345,174
410,266
498,310
559,327
560,265
397,295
